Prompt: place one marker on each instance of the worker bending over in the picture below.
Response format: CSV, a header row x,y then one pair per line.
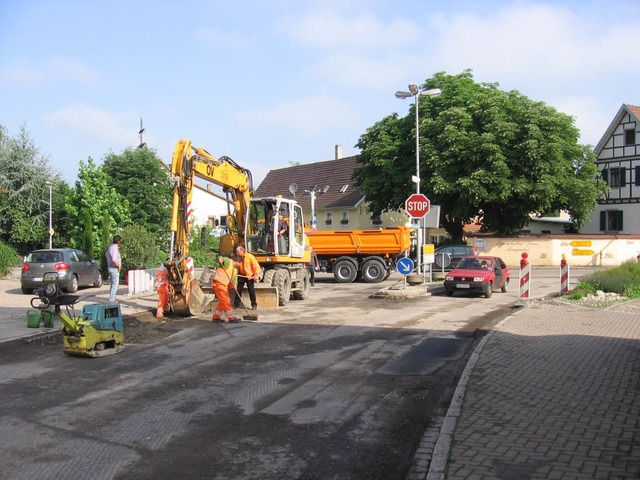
x,y
162,287
224,278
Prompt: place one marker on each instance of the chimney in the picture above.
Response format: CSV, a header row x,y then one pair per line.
x,y
338,152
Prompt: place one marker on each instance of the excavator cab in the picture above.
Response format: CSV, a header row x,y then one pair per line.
x,y
275,229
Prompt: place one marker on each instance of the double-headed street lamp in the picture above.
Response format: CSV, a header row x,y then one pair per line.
x,y
50,185
415,92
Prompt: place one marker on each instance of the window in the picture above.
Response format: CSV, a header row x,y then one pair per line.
x,y
376,220
615,177
629,136
344,188
328,218
344,218
611,221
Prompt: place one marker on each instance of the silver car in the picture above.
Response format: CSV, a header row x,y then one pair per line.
x,y
74,267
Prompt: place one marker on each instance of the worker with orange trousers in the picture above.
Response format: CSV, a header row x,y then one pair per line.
x,y
224,278
249,269
162,286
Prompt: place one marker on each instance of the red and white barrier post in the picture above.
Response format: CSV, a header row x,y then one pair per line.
x,y
525,275
564,275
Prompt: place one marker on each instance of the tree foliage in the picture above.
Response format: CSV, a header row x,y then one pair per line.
x,y
485,154
139,248
24,195
140,177
92,195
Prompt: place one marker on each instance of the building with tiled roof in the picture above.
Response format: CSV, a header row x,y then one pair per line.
x,y
618,153
337,203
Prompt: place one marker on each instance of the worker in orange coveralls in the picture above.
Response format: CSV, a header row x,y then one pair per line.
x,y
162,287
224,278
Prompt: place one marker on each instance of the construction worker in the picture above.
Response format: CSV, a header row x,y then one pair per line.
x,y
249,270
224,278
162,287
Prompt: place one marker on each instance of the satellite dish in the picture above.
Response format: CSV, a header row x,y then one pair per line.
x,y
293,188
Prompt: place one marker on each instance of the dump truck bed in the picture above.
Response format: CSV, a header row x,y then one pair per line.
x,y
390,241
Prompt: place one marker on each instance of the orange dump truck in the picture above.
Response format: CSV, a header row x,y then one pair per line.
x,y
354,254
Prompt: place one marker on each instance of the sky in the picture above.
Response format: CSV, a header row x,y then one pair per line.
x,y
271,83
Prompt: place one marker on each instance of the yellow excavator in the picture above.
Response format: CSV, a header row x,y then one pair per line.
x,y
252,222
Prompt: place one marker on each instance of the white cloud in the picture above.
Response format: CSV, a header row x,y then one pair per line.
x,y
308,115
530,39
336,30
114,130
55,69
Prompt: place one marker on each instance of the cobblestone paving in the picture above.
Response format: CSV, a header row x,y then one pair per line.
x,y
555,393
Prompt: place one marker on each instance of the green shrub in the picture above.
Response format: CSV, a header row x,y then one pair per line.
x,y
623,280
138,249
9,258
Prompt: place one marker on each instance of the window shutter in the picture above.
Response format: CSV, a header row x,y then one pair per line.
x,y
603,221
620,227
605,175
623,177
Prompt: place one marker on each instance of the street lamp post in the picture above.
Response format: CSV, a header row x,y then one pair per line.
x,y
415,92
50,185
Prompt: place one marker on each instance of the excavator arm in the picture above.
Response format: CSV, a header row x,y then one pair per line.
x,y
187,164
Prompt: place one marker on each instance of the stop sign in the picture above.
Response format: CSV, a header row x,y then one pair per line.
x,y
417,205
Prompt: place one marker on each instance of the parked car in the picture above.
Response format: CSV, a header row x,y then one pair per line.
x,y
74,267
482,274
447,257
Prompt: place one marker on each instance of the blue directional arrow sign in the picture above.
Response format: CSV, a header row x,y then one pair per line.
x,y
405,266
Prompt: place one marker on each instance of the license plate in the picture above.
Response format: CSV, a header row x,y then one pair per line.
x,y
36,279
462,285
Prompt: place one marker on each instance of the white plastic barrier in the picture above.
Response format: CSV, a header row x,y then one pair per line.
x,y
141,281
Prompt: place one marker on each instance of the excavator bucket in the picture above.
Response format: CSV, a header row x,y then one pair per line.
x,y
267,297
193,302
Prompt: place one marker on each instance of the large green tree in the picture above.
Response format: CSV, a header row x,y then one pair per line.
x,y
24,194
93,198
485,154
139,175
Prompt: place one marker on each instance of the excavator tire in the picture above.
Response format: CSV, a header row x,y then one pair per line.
x,y
282,281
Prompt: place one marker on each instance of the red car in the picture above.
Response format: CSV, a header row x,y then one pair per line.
x,y
481,274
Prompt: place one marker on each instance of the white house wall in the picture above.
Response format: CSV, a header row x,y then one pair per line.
x,y
613,154
206,205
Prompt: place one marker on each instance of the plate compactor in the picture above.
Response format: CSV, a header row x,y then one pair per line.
x,y
98,332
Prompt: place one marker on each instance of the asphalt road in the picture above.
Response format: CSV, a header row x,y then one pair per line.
x,y
339,386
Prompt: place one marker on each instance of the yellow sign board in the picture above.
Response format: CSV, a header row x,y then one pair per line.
x,y
428,248
580,243
579,252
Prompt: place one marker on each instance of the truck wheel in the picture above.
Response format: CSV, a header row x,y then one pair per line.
x,y
283,282
373,271
345,271
305,287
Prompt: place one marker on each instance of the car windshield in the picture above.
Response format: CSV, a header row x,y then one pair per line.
x,y
475,263
44,257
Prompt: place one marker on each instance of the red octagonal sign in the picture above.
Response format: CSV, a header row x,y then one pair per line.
x,y
417,205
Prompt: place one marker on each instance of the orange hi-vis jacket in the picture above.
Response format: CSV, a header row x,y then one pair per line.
x,y
249,267
225,274
162,276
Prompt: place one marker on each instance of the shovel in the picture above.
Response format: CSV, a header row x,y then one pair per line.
x,y
248,316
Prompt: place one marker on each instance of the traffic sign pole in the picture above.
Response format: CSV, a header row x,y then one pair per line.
x,y
417,206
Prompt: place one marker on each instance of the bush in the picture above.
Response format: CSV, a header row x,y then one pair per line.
x,y
9,258
623,280
139,249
